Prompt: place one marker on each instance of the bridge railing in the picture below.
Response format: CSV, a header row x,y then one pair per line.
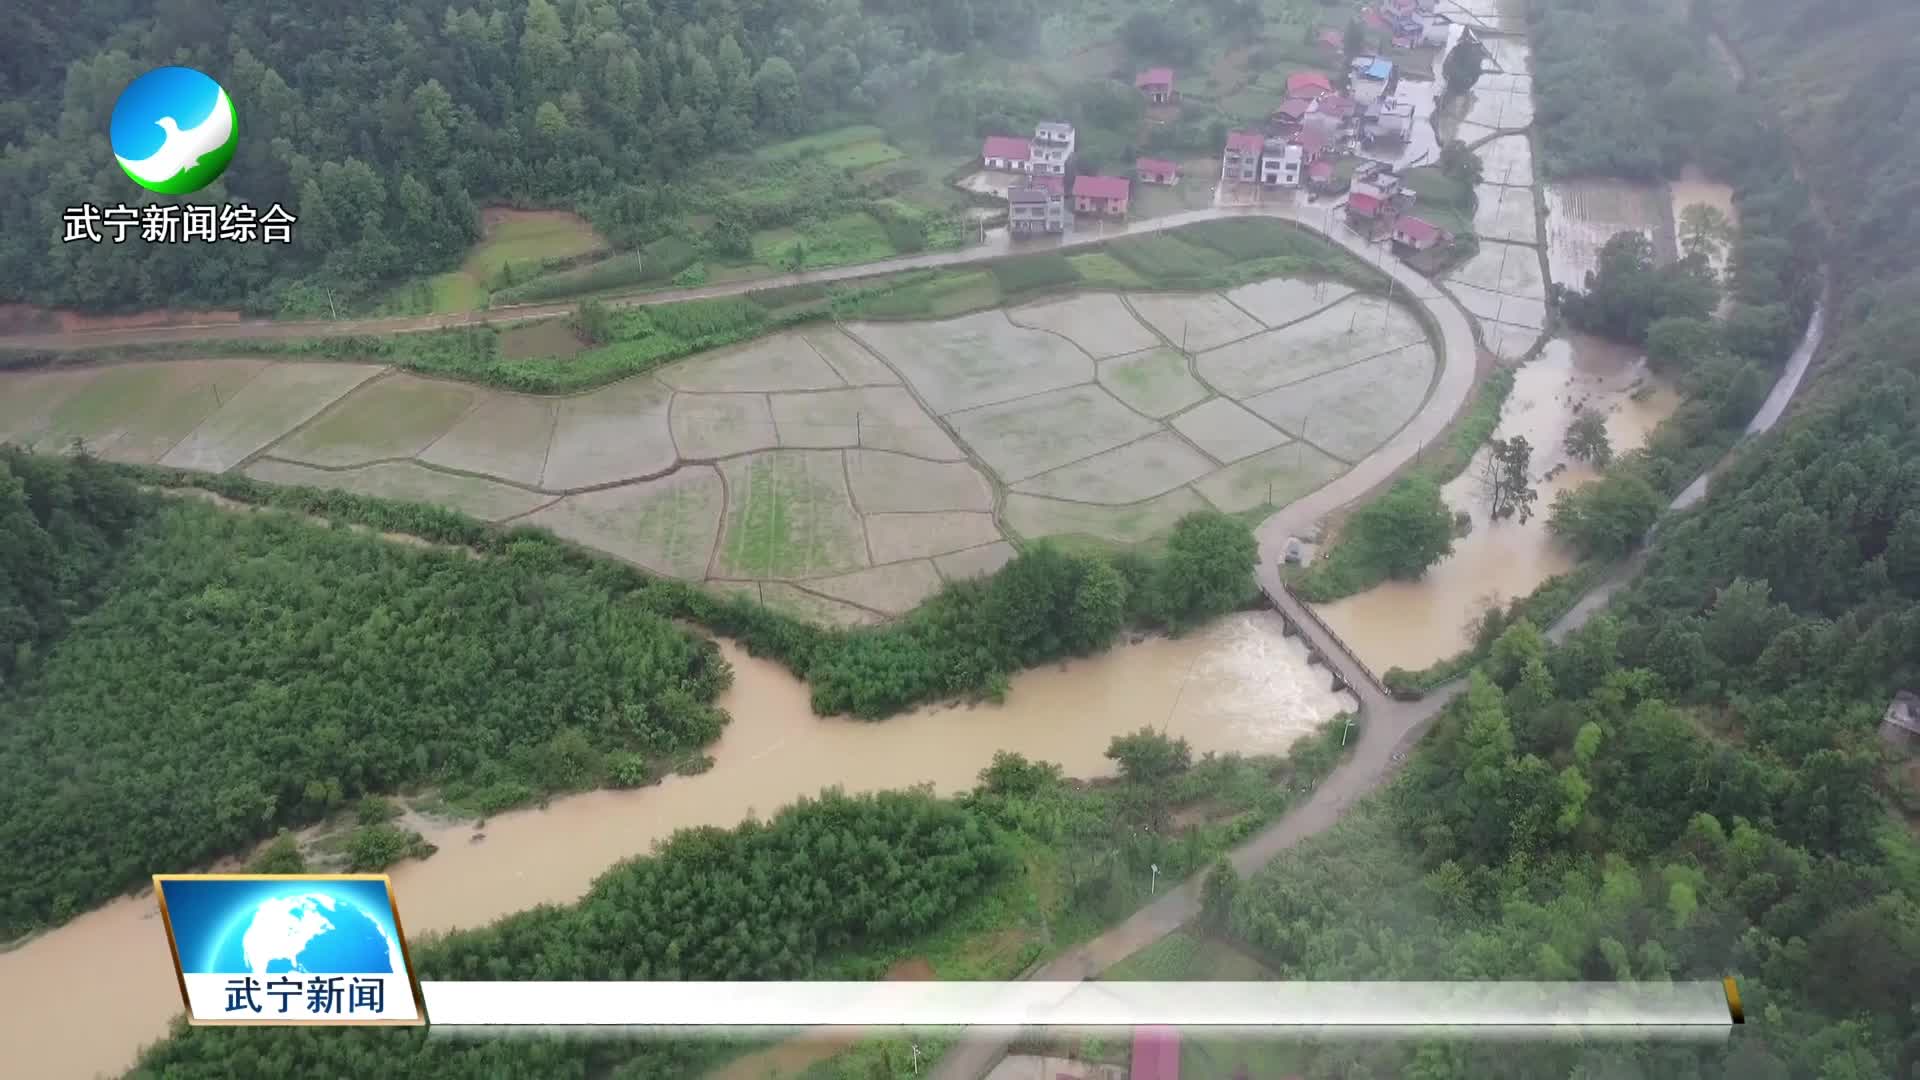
x,y
1348,655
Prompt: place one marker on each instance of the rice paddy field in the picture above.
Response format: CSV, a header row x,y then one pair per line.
x,y
845,471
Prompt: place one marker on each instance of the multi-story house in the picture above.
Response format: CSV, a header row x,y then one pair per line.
x,y
1052,146
1037,208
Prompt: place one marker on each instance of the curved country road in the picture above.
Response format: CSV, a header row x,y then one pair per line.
x,y
1316,218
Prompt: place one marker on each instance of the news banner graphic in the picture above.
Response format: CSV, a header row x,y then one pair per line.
x,y
316,949
1685,1011
235,223
327,949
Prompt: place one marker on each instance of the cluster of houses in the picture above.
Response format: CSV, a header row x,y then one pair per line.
x,y
1316,126
1410,23
1038,202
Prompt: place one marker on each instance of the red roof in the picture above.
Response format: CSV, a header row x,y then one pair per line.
x,y
1418,231
1320,170
1054,183
1361,203
1100,187
1373,18
1307,84
1247,142
1333,40
1155,166
1155,77
1310,142
1293,108
1337,105
1006,146
1156,1054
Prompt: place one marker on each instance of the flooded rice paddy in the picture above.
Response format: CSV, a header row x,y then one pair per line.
x,y
1238,685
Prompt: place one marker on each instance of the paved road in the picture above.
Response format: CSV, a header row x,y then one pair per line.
x,y
998,244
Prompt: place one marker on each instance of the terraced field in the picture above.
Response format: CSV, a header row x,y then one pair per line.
x,y
844,473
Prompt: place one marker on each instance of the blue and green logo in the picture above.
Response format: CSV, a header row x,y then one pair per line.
x,y
173,130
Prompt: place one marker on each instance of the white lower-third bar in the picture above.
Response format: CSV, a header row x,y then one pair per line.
x,y
1081,1004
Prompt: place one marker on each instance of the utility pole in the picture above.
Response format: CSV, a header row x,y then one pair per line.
x,y
1346,730
1153,883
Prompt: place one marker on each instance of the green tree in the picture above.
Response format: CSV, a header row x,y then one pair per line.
x,y
1608,517
776,95
1207,569
1676,344
1217,891
1353,41
1704,230
1587,439
1148,757
1462,67
1461,164
1406,530
1506,481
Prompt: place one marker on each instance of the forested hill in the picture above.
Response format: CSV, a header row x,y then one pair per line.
x,y
383,122
1694,785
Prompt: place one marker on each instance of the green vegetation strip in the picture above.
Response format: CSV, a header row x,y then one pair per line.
x,y
628,341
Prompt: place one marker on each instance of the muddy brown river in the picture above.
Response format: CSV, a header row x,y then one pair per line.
x,y
1412,624
1239,684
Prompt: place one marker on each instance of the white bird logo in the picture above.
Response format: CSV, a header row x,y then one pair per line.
x,y
183,149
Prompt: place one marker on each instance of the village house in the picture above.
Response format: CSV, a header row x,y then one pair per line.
x,y
1156,171
1291,112
1279,163
1037,208
1372,78
1364,205
1321,178
1240,163
1052,146
1338,107
1389,120
1007,154
1156,85
1333,41
1105,195
1901,725
1379,177
1308,84
1412,235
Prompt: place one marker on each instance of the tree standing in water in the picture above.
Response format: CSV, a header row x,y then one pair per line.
x,y
1587,439
1503,479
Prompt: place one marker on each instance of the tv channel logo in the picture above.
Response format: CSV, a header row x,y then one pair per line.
x,y
320,949
173,130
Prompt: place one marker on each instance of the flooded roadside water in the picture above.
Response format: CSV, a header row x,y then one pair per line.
x,y
1239,684
1413,624
1694,188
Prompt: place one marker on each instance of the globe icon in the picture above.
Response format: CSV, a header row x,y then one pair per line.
x,y
309,933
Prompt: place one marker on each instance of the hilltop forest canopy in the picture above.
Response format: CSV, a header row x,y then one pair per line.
x,y
382,123
1694,785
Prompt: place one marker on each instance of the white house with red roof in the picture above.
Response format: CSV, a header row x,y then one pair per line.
x,y
1156,85
1156,170
1240,162
1007,154
1308,84
1106,195
1412,235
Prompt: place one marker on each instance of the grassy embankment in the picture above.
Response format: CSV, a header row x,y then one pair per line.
x,y
1208,255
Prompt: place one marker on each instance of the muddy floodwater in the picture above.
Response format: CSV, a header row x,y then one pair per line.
x,y
1239,684
1413,624
1693,188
